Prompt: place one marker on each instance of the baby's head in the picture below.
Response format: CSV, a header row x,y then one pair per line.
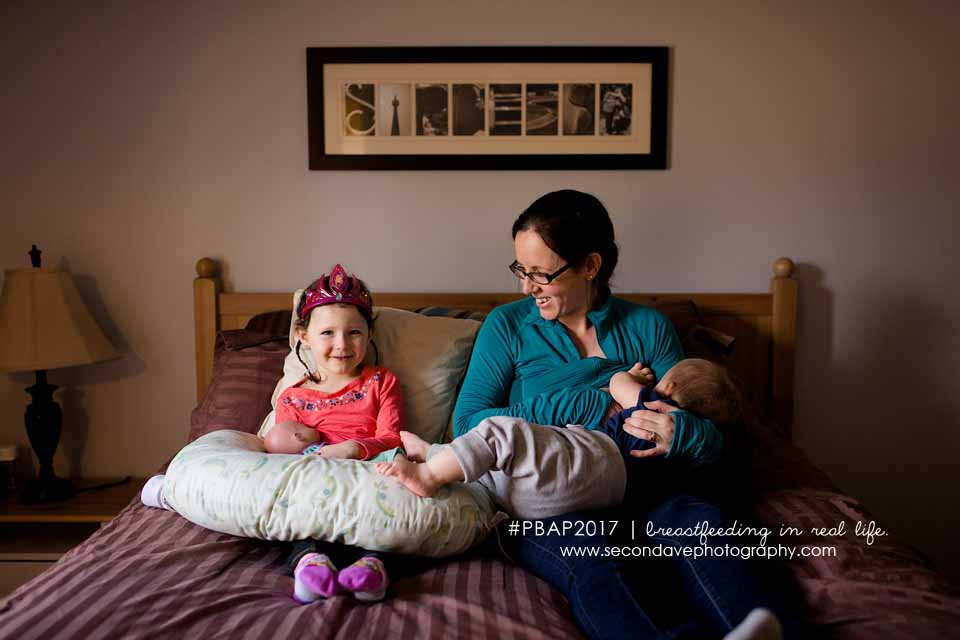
x,y
290,437
335,321
703,387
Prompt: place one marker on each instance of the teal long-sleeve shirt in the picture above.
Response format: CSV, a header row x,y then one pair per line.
x,y
527,367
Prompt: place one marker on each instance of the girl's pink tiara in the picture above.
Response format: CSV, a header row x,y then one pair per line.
x,y
337,288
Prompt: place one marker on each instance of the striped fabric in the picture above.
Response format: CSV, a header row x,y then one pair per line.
x,y
246,367
883,590
449,312
273,323
151,574
278,322
880,590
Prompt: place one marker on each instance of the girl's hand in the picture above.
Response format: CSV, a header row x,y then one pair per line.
x,y
348,449
642,374
655,424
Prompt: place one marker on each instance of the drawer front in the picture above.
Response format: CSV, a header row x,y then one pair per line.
x,y
14,574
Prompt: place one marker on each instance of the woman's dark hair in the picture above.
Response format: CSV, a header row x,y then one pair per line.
x,y
574,225
305,322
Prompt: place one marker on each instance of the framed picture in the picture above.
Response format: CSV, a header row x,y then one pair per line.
x,y
487,107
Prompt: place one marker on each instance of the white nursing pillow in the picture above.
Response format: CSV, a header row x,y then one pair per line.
x,y
225,481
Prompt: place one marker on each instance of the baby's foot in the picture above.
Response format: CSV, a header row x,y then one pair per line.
x,y
366,579
415,446
416,477
315,577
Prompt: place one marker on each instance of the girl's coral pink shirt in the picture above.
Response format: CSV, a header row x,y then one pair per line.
x,y
369,410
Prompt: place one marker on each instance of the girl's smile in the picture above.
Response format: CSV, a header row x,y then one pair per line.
x,y
338,336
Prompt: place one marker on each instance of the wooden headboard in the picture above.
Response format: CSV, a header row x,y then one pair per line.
x,y
764,325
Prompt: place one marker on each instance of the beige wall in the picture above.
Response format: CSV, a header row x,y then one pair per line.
x,y
135,140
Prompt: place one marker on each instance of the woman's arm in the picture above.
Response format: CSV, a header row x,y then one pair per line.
x,y
679,434
560,407
663,349
486,388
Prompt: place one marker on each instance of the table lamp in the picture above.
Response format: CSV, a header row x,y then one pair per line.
x,y
44,324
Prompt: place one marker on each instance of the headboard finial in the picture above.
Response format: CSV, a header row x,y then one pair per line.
x,y
783,267
206,268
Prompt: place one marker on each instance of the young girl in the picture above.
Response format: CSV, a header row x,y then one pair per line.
x,y
343,409
340,409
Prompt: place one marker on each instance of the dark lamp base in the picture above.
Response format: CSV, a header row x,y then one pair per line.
x,y
44,420
49,489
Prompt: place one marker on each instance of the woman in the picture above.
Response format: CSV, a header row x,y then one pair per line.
x,y
547,359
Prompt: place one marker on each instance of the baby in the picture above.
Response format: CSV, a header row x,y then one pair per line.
x,y
536,471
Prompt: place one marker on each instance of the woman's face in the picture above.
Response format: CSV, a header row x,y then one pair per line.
x,y
568,296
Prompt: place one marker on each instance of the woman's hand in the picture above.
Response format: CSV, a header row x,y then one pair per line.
x,y
655,424
347,449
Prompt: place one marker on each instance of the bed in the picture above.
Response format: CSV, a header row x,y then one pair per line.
x,y
150,573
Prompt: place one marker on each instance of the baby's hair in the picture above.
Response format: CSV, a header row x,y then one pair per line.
x,y
303,323
707,389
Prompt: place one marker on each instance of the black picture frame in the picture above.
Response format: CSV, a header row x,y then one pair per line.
x,y
648,136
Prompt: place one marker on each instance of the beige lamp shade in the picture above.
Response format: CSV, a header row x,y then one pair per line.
x,y
44,323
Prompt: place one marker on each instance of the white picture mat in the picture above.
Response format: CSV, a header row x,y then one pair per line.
x,y
639,75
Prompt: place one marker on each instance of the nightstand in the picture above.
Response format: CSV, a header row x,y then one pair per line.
x,y
34,536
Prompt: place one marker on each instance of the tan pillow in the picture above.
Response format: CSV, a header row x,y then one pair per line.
x,y
429,356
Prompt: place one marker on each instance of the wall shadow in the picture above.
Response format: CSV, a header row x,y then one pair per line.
x,y
880,417
903,419
814,350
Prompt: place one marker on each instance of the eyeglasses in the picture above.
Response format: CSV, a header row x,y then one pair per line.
x,y
537,276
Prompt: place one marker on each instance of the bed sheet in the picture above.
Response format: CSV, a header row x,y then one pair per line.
x,y
151,574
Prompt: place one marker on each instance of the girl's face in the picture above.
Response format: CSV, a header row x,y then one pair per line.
x,y
569,295
338,337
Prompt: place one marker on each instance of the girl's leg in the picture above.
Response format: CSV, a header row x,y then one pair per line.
x,y
298,549
313,570
369,574
314,577
366,578
346,556
152,493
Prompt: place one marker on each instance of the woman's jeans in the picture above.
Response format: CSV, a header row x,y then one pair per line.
x,y
643,597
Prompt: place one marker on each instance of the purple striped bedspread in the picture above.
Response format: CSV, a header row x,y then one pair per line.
x,y
151,574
